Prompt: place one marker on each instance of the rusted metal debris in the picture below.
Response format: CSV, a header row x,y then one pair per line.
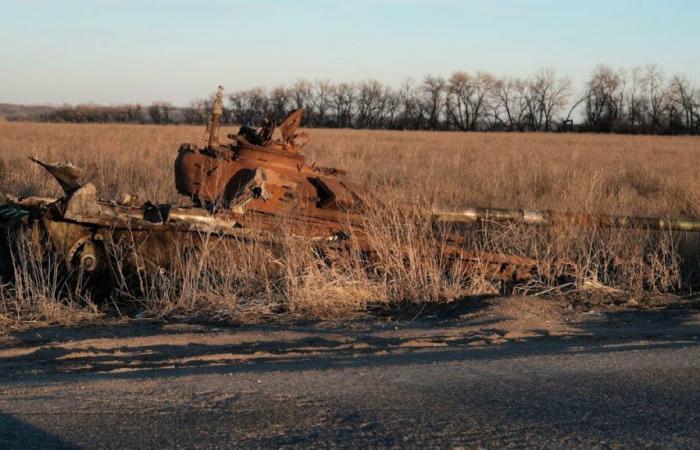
x,y
243,190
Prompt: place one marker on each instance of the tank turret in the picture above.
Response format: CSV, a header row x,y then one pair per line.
x,y
261,169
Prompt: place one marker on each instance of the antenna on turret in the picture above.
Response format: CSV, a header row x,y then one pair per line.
x,y
213,127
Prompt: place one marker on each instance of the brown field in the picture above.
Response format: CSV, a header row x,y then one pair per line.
x,y
593,173
636,175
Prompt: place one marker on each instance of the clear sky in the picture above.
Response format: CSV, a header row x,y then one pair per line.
x,y
112,51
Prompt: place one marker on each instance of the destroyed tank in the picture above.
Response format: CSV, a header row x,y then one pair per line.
x,y
263,171
256,188
245,190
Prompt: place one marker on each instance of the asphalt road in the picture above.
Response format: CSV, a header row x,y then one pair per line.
x,y
618,384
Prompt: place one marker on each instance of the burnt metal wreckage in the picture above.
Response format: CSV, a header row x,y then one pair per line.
x,y
242,190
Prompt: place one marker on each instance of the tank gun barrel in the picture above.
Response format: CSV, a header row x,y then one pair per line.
x,y
555,218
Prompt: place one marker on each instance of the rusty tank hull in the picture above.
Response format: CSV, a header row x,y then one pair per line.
x,y
85,233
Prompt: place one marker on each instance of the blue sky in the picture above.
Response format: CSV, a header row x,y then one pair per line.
x,y
111,51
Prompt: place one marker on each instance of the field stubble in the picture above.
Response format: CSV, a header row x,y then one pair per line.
x,y
408,172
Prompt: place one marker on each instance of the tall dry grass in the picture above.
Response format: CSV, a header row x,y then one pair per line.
x,y
408,172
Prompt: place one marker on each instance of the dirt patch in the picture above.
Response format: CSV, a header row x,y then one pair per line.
x,y
522,317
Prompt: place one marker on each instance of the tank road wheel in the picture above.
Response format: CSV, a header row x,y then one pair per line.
x,y
88,261
83,256
86,258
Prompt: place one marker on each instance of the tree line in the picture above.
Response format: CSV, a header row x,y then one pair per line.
x,y
638,100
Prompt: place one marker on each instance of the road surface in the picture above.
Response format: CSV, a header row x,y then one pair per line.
x,y
629,378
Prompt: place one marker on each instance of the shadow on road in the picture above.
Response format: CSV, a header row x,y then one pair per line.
x,y
16,433
113,351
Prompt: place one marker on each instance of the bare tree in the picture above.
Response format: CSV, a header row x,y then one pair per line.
x,y
467,98
249,106
434,93
197,112
301,92
280,103
321,101
411,115
636,103
509,102
343,101
656,95
160,112
392,106
369,103
683,104
551,95
603,92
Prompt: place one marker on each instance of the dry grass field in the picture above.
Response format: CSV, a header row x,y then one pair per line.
x,y
594,173
408,171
